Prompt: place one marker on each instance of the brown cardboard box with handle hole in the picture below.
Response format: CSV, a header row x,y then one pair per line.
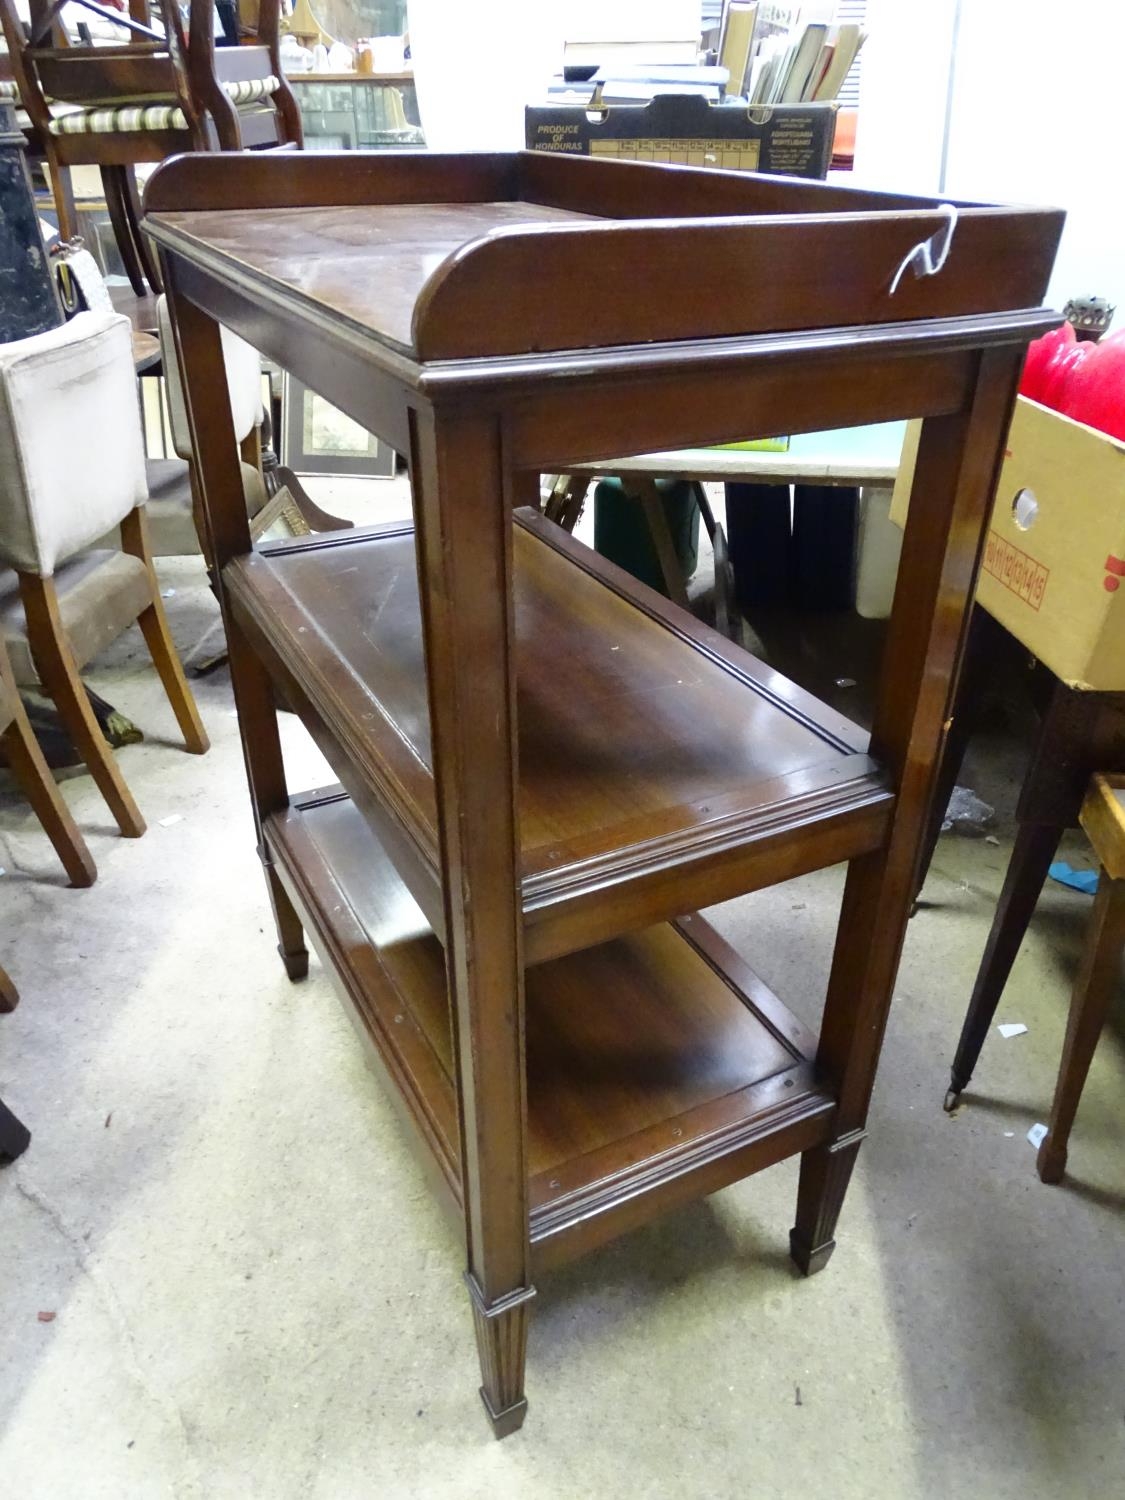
x,y
1054,564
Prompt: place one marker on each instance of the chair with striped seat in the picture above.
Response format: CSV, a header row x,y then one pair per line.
x,y
243,90
114,103
107,103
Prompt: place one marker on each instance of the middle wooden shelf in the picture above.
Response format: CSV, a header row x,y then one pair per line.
x,y
661,768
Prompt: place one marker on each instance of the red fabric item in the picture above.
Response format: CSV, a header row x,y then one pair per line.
x,y
1094,390
1061,372
1040,356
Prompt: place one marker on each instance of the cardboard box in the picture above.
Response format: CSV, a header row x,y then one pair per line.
x,y
792,139
1054,564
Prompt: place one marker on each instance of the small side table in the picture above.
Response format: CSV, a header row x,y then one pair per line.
x,y
507,881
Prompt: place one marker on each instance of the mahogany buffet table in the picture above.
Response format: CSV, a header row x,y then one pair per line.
x,y
545,768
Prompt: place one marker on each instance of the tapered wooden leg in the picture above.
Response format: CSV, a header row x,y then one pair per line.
x,y
290,127
1032,853
564,504
113,182
62,190
825,1174
464,532
158,638
28,766
661,537
501,1332
290,934
14,1135
31,771
9,995
227,530
959,458
958,732
1094,989
59,675
145,252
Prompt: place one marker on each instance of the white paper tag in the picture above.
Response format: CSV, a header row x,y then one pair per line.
x,y
170,820
1011,1028
1037,1135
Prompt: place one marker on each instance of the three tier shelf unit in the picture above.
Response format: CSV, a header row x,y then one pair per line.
x,y
546,770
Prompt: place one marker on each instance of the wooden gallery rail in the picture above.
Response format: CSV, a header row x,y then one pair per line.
x,y
545,769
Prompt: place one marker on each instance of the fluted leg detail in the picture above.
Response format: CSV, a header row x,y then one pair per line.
x,y
825,1174
501,1331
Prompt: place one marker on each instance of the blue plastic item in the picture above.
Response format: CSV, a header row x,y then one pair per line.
x,y
1085,881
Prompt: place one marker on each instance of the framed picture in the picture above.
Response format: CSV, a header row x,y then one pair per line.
x,y
318,439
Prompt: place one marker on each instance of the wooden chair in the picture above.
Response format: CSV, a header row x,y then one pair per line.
x,y
281,498
110,106
177,509
1103,818
72,467
116,105
243,90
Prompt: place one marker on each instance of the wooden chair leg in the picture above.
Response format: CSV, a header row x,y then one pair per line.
x,y
145,252
1027,870
665,547
55,664
62,189
14,1135
1089,1005
956,740
9,995
288,110
113,181
158,638
565,502
38,785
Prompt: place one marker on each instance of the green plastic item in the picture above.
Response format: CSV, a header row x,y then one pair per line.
x,y
621,532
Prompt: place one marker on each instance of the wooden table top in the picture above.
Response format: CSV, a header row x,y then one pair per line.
x,y
846,456
366,264
443,259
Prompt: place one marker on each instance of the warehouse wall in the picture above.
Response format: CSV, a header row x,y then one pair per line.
x,y
1034,116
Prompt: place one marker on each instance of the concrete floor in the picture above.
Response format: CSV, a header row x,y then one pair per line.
x,y
254,1296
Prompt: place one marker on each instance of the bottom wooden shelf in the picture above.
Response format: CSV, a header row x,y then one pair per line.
x,y
659,1067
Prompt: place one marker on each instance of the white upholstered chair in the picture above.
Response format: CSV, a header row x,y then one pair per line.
x,y
173,500
175,510
284,504
72,467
